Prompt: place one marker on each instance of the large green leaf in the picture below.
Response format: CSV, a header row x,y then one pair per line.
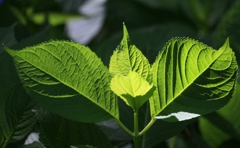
x,y
192,79
128,58
58,132
67,78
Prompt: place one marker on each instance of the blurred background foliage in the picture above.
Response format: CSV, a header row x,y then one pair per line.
x,y
151,23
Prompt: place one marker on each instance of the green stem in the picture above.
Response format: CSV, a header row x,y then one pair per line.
x,y
135,123
136,137
137,142
147,127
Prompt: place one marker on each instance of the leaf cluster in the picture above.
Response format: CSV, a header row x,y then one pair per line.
x,y
76,98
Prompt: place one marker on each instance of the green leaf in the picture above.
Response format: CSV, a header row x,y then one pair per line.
x,y
224,123
133,89
71,77
128,58
16,116
58,132
192,79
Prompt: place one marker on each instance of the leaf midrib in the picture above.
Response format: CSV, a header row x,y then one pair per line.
x,y
54,76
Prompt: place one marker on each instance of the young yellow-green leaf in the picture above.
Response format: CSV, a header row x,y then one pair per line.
x,y
68,79
192,79
133,89
128,57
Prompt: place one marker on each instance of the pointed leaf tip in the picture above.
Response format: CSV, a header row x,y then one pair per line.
x,y
127,57
227,42
125,32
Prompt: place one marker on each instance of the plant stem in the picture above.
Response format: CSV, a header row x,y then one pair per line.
x,y
136,123
147,127
136,137
137,142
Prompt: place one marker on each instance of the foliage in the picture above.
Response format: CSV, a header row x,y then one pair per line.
x,y
73,95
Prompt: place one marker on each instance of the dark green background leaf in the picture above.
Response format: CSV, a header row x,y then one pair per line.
x,y
17,118
57,132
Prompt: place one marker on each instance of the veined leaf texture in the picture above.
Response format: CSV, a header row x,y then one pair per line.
x,y
191,77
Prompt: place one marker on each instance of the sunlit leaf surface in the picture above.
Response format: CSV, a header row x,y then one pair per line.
x,y
62,72
192,78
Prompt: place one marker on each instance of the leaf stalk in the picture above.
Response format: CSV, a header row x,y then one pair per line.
x,y
147,127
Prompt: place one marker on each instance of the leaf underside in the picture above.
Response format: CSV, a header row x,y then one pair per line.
x,y
191,79
60,70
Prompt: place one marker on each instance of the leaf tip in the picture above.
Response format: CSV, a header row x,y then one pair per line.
x,y
227,41
125,32
226,44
